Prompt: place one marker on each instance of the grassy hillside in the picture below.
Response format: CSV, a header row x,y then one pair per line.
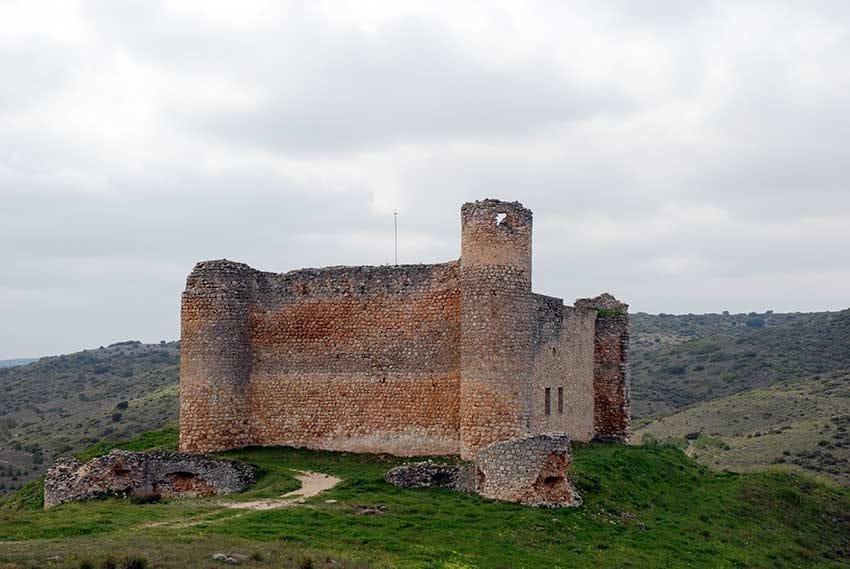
x,y
63,404
723,357
652,331
802,424
644,507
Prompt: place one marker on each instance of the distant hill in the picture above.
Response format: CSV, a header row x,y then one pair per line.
x,y
62,404
677,361
14,363
804,424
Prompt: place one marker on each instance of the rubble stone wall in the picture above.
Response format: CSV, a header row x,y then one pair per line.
x,y
457,477
410,360
497,312
158,473
215,357
563,369
612,407
363,359
529,470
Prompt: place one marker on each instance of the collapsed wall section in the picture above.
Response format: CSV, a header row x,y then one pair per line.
x,y
530,470
612,399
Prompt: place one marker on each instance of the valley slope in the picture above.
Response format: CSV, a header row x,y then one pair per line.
x,y
690,374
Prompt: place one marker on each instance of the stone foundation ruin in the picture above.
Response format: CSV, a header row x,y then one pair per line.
x,y
411,360
529,470
152,474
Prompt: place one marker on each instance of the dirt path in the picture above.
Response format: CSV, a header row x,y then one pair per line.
x,y
312,484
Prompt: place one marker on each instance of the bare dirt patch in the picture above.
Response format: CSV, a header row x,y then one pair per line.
x,y
312,484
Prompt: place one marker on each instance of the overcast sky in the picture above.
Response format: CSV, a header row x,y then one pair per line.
x,y
685,156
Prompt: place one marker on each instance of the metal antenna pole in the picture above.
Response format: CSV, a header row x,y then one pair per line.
x,y
395,231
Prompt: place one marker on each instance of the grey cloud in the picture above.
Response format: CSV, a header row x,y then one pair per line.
x,y
411,85
712,178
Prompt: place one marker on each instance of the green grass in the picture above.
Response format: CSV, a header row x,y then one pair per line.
x,y
165,438
644,507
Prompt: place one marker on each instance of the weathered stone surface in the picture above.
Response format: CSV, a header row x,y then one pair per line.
x,y
410,360
158,473
431,475
612,403
529,470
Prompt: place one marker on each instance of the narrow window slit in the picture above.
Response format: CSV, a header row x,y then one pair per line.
x,y
560,401
548,400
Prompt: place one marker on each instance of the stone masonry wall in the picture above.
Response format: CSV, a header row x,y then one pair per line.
x,y
215,357
155,473
530,470
612,398
410,360
496,323
563,369
363,359
357,359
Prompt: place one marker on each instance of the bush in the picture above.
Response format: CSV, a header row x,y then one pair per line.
x,y
116,417
649,439
131,562
123,405
145,498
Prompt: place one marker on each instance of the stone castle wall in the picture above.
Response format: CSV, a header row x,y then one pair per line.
x,y
410,360
357,359
563,369
612,405
363,359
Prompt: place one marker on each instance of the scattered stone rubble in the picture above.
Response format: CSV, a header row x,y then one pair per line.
x,y
529,470
143,474
232,558
428,474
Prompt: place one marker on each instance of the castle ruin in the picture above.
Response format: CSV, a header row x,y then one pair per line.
x,y
410,360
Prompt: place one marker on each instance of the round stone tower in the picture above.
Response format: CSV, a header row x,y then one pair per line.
x,y
496,311
215,357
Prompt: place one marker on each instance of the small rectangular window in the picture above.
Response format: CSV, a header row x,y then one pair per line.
x,y
560,401
548,397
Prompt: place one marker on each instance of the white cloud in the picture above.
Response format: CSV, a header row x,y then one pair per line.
x,y
685,156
